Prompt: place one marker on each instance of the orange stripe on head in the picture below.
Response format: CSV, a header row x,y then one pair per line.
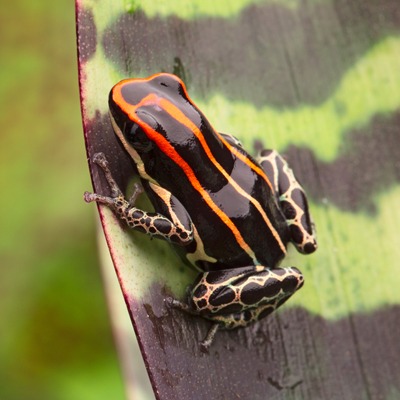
x,y
172,154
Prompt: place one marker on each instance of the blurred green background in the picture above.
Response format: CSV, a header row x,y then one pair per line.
x,y
55,337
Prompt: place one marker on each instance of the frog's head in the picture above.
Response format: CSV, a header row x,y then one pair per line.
x,y
154,111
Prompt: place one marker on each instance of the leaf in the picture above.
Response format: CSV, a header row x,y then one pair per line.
x,y
319,82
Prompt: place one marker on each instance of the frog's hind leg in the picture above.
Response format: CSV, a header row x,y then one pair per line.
x,y
237,297
292,200
247,293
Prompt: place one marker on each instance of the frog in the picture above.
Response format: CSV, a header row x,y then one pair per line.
x,y
228,214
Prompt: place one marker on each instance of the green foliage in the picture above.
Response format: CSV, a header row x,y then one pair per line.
x,y
52,311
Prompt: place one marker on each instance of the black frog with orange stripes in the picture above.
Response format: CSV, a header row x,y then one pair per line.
x,y
231,216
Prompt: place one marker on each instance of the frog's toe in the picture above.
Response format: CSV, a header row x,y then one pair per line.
x,y
100,159
207,341
180,305
88,197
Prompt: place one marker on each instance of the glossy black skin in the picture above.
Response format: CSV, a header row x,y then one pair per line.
x,y
218,240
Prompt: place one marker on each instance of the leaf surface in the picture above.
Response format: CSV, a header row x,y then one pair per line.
x,y
319,82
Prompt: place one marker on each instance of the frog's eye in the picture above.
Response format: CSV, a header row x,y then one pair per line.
x,y
132,134
138,138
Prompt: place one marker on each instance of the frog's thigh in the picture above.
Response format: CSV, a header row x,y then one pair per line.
x,y
292,200
237,297
172,222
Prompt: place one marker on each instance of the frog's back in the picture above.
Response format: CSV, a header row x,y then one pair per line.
x,y
231,203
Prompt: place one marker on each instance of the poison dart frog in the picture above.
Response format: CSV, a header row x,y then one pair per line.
x,y
228,214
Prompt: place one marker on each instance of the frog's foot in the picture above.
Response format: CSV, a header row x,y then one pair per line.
x,y
116,193
292,200
154,224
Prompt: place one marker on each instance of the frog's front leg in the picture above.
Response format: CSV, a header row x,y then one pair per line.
x,y
292,200
236,297
176,227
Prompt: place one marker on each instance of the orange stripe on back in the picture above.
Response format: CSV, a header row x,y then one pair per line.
x,y
179,116
246,160
168,149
